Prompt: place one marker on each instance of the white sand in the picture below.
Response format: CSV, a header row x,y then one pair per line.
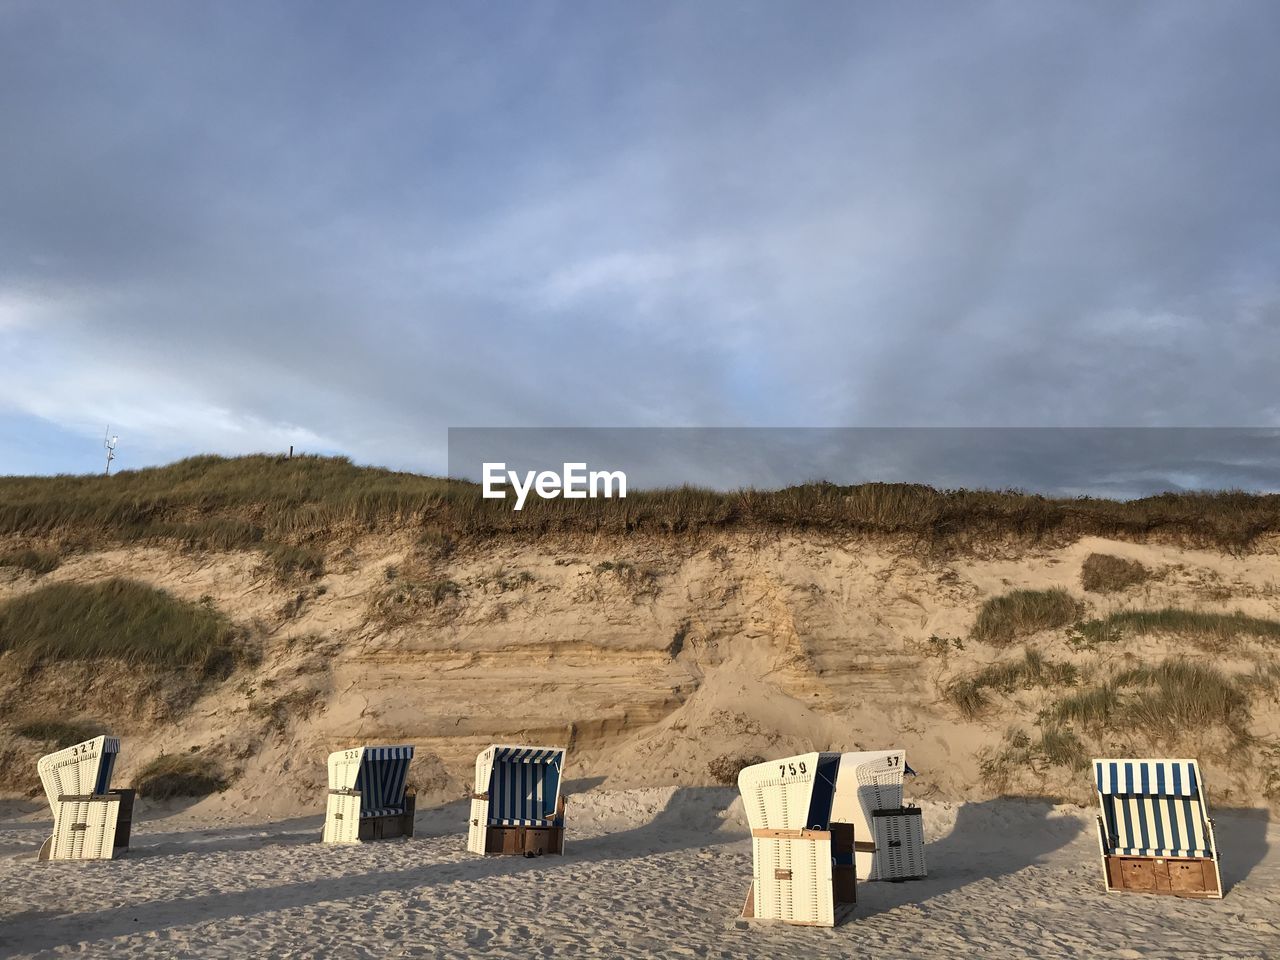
x,y
649,872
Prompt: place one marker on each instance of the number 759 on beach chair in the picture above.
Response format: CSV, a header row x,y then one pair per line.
x,y
1155,831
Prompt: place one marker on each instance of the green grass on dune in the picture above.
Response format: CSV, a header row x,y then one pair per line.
x,y
1208,629
115,618
1020,613
178,775
244,502
60,733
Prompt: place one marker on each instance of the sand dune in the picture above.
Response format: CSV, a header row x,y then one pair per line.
x,y
649,872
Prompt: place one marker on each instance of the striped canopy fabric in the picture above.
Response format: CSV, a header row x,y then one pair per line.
x,y
1166,778
381,781
525,786
1152,808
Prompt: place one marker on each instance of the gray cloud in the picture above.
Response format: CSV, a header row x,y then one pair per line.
x,y
237,226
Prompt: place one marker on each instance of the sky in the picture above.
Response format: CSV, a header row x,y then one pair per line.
x,y
241,226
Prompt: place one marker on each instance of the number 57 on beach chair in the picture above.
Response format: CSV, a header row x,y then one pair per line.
x,y
90,820
1155,831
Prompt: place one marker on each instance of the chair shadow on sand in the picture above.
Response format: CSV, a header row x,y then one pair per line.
x,y
1242,842
692,812
991,839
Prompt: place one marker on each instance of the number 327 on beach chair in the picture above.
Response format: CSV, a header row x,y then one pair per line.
x,y
517,807
90,820
367,795
1155,831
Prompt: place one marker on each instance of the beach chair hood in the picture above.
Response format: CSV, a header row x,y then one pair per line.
x,y
796,793
379,774
82,770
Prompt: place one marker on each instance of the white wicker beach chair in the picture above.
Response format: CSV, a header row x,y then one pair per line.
x,y
1155,832
803,869
90,820
367,795
517,807
869,795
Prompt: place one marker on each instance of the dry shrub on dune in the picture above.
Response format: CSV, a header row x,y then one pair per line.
x,y
1104,573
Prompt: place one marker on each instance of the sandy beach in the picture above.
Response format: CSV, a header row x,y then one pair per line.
x,y
648,872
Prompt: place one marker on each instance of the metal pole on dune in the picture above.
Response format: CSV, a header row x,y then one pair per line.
x,y
109,442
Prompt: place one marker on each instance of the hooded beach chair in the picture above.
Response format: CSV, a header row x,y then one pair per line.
x,y
517,807
869,795
367,795
1155,831
803,870
90,820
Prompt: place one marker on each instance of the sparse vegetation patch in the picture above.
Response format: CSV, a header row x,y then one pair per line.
x,y
1004,619
1209,630
36,561
724,769
1104,573
179,775
970,694
57,733
115,618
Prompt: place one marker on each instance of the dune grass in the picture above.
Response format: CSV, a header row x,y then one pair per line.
x,y
115,618
37,561
1003,619
1104,573
1020,752
1174,697
1209,630
59,733
236,503
970,694
178,775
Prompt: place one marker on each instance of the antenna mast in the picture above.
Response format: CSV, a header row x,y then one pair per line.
x,y
109,442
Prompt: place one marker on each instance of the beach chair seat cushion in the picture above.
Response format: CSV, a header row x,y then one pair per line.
x,y
521,821
382,812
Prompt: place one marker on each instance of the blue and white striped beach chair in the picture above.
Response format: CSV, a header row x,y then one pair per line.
x,y
517,806
1155,831
90,820
367,795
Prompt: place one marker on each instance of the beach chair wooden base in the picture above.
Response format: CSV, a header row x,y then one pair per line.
x,y
90,827
344,804
795,866
844,908
1195,877
524,841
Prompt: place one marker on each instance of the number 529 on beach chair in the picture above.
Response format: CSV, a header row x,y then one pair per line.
x,y
367,795
1155,831
90,820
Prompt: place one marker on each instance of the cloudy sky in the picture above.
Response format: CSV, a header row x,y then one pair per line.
x,y
233,227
